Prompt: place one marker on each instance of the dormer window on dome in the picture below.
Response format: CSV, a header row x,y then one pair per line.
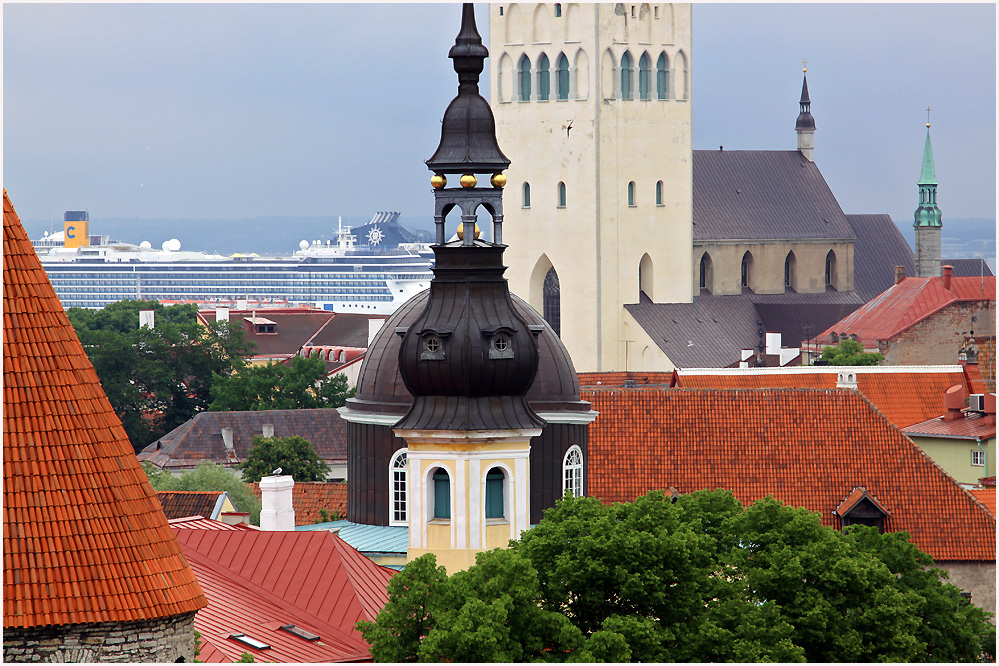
x,y
500,342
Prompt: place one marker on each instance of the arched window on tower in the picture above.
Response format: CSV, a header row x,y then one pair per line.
x,y
626,76
552,298
525,79
442,494
643,76
495,480
705,273
572,471
645,277
562,77
659,193
662,77
544,78
831,269
681,64
399,485
631,193
558,10
746,273
561,195
527,195
790,263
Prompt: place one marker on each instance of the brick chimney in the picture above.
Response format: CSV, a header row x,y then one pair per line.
x,y
947,272
276,511
953,402
990,407
899,274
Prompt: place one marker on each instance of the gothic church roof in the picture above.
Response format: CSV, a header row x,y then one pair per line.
x,y
84,537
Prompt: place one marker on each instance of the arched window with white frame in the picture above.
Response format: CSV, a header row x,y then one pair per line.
x,y
494,494
572,471
399,488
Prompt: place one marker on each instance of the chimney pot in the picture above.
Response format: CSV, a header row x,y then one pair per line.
x,y
953,402
948,271
899,274
267,430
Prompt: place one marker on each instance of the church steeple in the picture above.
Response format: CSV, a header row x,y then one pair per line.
x,y
927,218
805,125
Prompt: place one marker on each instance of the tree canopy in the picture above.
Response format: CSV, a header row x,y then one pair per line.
x,y
850,352
156,378
209,476
294,455
302,384
700,579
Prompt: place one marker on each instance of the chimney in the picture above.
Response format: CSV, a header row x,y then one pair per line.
x,y
846,379
947,271
990,407
953,402
235,517
899,274
374,325
267,430
773,343
277,513
227,439
221,314
147,318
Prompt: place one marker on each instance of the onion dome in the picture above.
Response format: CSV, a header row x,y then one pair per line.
x,y
381,390
805,120
468,132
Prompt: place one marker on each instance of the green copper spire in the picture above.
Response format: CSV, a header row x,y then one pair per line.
x,y
927,214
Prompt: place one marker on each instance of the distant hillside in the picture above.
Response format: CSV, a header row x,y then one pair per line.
x,y
280,235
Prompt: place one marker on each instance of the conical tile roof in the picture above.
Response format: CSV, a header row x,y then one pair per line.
x,y
84,538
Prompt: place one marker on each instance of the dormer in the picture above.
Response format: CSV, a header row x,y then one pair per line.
x,y
862,508
259,325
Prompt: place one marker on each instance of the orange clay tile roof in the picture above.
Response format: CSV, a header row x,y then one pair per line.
x,y
307,498
84,539
807,448
619,378
986,496
909,302
183,503
905,394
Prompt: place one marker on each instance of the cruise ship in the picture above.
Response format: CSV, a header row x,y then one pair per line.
x,y
373,277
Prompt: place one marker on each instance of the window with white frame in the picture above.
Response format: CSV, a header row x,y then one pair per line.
x,y
399,488
978,458
572,471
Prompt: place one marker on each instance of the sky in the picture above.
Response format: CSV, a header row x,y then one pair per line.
x,y
222,111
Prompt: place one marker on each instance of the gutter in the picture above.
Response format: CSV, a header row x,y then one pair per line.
x,y
985,455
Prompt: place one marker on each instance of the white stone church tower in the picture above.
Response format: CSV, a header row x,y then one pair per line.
x,y
592,106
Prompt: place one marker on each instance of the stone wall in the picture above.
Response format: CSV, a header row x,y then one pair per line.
x,y
161,640
937,339
979,578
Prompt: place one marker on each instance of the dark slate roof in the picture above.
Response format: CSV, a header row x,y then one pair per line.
x,y
200,439
879,248
348,329
721,326
294,327
184,503
763,195
967,267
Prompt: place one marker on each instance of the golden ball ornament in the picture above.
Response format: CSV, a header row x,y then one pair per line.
x,y
461,231
498,180
438,180
469,180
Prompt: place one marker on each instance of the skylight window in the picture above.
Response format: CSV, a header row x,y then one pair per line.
x,y
298,631
249,640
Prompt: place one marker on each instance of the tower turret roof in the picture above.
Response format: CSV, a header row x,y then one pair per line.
x,y
927,214
85,539
928,174
805,120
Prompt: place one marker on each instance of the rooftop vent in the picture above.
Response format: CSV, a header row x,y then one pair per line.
x,y
976,402
298,631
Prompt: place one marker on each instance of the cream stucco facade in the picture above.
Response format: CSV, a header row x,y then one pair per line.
x,y
609,170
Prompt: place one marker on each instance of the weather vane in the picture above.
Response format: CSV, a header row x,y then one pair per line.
x,y
804,65
927,116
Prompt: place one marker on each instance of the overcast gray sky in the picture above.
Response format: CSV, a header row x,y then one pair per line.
x,y
239,110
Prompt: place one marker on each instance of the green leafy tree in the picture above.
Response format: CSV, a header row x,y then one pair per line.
x,y
209,476
700,578
302,384
294,455
156,379
850,352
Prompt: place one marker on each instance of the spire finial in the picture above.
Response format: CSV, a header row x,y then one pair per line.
x,y
928,117
804,65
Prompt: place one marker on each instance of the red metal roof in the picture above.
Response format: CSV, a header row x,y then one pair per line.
x,y
84,538
312,579
807,448
969,426
909,302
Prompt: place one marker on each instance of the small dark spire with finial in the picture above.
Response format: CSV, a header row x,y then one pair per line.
x,y
805,119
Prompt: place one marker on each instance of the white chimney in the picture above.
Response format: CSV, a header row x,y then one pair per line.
x,y
773,344
221,314
276,512
241,304
267,430
147,318
745,355
847,379
374,325
227,439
